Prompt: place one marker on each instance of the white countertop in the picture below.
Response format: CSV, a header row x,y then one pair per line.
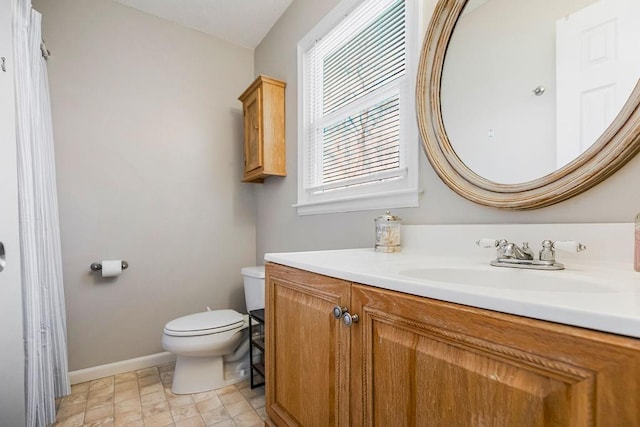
x,y
602,297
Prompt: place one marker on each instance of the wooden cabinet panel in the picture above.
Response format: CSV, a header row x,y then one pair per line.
x,y
264,132
252,132
445,383
307,349
431,363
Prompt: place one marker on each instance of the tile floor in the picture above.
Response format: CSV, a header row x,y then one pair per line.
x,y
143,398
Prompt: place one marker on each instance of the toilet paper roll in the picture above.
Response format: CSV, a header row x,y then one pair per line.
x,y
111,268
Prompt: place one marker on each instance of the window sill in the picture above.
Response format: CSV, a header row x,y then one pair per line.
x,y
392,199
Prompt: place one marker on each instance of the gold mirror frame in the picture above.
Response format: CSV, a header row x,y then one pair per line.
x,y
615,147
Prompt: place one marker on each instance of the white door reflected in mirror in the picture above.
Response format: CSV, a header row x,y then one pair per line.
x,y
586,55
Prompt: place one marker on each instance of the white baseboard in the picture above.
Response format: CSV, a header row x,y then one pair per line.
x,y
88,374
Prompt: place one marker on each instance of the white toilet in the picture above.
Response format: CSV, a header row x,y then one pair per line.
x,y
212,347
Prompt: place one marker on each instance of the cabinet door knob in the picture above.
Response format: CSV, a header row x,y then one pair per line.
x,y
350,319
338,311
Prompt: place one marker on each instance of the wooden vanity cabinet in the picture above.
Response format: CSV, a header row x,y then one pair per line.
x,y
264,133
414,361
307,349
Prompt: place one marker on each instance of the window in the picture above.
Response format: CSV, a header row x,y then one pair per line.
x,y
357,128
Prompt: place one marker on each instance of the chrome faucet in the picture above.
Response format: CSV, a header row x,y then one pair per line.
x,y
511,255
512,251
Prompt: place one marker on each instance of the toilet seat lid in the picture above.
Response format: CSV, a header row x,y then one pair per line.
x,y
205,323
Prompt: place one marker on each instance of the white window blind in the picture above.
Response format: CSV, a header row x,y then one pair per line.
x,y
355,102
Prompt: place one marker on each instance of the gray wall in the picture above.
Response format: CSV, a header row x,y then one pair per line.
x,y
280,229
148,134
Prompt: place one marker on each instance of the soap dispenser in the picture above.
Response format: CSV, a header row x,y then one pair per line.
x,y
387,233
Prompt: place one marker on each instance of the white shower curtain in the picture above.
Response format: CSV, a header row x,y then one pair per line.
x,y
46,371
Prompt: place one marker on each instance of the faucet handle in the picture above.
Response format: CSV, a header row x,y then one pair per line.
x,y
569,246
488,243
548,253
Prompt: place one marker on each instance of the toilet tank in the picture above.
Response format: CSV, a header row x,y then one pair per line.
x,y
253,287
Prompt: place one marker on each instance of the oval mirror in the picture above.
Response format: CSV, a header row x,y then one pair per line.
x,y
523,104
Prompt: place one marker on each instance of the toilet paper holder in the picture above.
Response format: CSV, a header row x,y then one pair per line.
x,y
96,266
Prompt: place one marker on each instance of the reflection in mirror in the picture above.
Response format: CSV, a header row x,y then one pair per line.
x,y
527,86
615,146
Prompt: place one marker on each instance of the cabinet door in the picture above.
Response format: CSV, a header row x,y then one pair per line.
x,y
307,349
424,362
253,131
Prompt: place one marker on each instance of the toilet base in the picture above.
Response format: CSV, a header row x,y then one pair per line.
x,y
199,374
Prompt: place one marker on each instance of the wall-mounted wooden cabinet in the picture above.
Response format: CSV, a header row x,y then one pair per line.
x,y
414,361
264,134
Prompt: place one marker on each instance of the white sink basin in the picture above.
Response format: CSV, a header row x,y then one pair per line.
x,y
510,278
